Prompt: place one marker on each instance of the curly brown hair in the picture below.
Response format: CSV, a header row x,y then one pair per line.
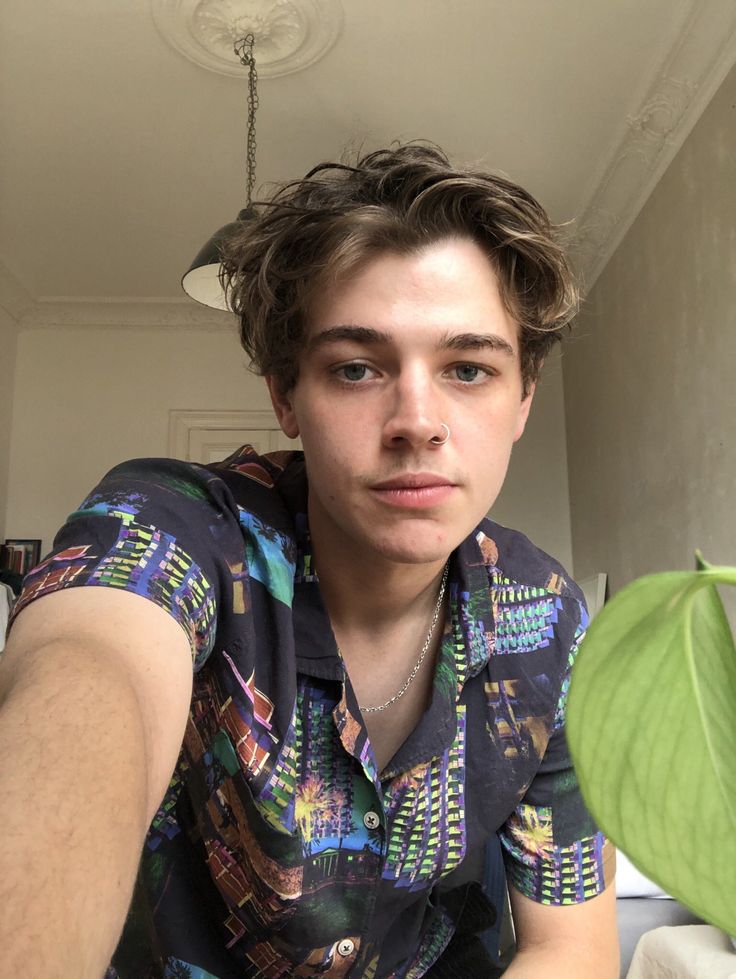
x,y
318,231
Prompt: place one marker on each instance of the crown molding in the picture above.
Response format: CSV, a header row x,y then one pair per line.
x,y
15,299
698,62
106,313
115,314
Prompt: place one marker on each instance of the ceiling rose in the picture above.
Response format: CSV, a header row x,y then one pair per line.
x,y
290,34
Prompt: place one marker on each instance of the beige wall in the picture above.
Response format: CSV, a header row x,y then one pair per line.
x,y
650,382
535,497
89,398
8,342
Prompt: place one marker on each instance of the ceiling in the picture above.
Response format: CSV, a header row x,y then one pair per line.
x,y
120,156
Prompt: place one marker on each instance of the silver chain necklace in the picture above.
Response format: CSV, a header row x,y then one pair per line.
x,y
425,647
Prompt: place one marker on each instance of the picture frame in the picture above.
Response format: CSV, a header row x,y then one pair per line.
x,y
20,554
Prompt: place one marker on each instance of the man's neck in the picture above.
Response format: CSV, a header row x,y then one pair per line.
x,y
371,591
378,594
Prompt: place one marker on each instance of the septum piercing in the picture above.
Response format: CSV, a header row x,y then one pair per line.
x,y
435,440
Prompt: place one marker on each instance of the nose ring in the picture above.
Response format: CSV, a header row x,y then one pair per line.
x,y
436,440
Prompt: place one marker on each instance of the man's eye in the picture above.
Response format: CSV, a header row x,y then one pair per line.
x,y
353,372
469,372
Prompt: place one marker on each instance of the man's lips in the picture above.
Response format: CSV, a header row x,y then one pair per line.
x,y
413,481
414,490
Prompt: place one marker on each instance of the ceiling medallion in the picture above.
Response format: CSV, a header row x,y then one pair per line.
x,y
290,34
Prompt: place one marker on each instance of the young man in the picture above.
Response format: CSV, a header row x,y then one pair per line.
x,y
380,672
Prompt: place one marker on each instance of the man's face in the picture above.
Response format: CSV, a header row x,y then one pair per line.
x,y
406,345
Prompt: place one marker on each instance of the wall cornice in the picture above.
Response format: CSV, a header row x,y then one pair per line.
x,y
127,313
697,64
110,314
14,297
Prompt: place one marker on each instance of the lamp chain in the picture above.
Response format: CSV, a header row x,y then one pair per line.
x,y
244,50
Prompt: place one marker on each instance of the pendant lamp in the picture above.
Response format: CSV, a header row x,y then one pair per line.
x,y
202,280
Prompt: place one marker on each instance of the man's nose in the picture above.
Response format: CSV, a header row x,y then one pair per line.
x,y
414,412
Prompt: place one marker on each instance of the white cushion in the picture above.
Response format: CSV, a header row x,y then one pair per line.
x,y
631,883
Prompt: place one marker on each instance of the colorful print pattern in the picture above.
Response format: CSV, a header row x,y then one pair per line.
x,y
279,849
548,873
427,839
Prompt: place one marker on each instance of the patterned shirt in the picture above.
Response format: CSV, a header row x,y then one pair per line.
x,y
279,849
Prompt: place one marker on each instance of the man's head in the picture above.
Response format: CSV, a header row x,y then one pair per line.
x,y
401,311
318,232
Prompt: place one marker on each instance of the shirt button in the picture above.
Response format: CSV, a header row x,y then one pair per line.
x,y
371,820
345,947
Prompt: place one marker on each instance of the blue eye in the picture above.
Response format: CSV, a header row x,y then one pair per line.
x,y
467,372
354,372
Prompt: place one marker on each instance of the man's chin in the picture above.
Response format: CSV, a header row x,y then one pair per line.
x,y
425,548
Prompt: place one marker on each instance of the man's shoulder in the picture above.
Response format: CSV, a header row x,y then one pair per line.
x,y
269,469
267,484
251,481
512,559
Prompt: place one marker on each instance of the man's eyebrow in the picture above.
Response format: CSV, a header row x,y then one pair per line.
x,y
477,341
358,334
451,341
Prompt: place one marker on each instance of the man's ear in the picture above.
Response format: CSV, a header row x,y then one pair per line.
x,y
524,409
283,406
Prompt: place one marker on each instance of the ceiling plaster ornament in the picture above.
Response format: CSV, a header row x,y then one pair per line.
x,y
290,34
660,115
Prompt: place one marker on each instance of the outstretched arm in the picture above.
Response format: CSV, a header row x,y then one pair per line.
x,y
95,686
573,941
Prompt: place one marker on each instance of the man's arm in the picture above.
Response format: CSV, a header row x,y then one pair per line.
x,y
95,686
573,941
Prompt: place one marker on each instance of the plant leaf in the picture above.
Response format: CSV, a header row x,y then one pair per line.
x,y
651,724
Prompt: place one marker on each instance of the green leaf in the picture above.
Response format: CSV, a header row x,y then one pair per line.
x,y
651,724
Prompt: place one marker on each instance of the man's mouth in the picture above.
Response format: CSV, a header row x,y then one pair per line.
x,y
414,490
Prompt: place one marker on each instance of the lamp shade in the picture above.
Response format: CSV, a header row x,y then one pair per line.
x,y
202,280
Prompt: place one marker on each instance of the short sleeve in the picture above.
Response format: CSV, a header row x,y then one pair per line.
x,y
553,851
159,528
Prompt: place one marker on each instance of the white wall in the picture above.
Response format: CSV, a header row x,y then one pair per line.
x,y
8,344
650,383
87,398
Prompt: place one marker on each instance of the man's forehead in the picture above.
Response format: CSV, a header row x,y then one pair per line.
x,y
446,294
